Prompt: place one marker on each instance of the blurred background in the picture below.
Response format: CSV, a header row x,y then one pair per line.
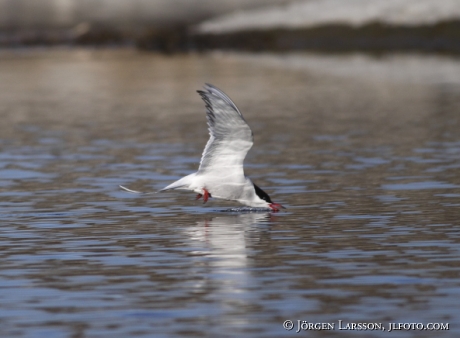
x,y
180,25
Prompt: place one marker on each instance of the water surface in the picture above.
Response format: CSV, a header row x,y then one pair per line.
x,y
368,168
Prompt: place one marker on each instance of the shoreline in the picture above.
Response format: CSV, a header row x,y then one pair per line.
x,y
442,37
439,38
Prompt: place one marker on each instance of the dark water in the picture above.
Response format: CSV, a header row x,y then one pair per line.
x,y
368,168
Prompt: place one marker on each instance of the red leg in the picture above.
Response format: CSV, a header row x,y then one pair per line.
x,y
206,195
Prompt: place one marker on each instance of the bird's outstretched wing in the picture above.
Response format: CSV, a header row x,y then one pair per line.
x,y
230,136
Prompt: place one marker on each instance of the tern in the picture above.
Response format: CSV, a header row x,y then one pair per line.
x,y
221,174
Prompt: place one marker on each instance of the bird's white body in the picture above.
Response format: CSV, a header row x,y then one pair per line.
x,y
221,173
236,188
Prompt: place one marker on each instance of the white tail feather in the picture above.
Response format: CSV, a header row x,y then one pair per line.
x,y
183,183
136,192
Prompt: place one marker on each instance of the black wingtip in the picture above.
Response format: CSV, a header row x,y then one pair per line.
x,y
212,90
206,86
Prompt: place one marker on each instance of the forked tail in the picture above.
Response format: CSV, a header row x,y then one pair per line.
x,y
183,183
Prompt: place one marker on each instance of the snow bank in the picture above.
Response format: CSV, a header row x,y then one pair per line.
x,y
318,12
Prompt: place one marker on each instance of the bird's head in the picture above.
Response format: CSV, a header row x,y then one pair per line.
x,y
266,200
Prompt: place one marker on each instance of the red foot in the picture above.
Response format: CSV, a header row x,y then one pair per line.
x,y
206,195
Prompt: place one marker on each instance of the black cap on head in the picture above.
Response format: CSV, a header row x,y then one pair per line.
x,y
262,194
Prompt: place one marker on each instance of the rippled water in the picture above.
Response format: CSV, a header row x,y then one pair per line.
x,y
369,171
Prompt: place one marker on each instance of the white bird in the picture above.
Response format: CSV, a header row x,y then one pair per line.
x,y
221,173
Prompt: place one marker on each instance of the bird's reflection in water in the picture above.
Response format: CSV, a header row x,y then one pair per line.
x,y
225,241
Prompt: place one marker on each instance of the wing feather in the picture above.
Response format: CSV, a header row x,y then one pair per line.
x,y
230,136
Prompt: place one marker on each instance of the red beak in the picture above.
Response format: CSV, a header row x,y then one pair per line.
x,y
276,207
